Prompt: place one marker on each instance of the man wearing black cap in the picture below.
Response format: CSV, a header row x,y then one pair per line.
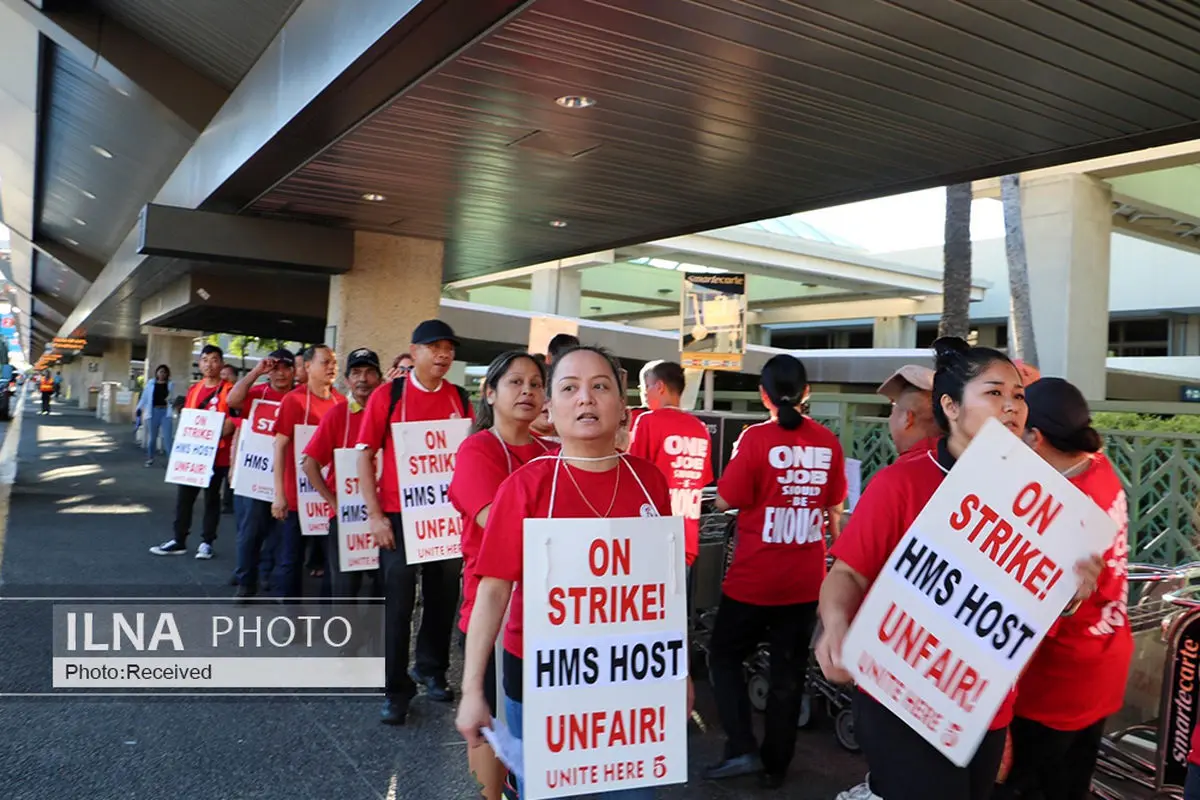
x,y
257,531
340,430
421,396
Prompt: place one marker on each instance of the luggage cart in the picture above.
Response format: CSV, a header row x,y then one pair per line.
x,y
1144,754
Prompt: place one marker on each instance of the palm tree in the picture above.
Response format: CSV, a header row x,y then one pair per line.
x,y
956,255
1021,342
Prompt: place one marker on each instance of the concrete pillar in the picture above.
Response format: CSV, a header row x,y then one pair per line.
x,y
895,332
114,366
758,334
174,350
556,291
90,374
395,283
1068,228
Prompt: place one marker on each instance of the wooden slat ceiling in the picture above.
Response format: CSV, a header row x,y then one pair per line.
x,y
711,112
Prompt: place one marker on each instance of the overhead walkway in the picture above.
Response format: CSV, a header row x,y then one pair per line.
x,y
83,513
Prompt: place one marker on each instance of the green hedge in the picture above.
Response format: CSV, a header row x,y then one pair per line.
x,y
1149,423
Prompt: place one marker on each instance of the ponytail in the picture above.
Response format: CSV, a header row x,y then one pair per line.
x,y
785,381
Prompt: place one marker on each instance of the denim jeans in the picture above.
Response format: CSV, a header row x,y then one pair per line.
x,y
160,420
513,709
288,579
257,538
1191,785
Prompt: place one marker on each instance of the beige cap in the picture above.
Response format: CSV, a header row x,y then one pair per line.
x,y
910,374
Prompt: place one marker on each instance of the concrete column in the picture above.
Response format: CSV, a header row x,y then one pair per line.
x,y
174,350
1068,228
114,366
395,283
556,291
758,334
90,374
895,332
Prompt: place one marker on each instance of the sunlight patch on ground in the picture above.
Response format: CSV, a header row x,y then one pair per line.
x,y
70,501
75,471
128,508
392,787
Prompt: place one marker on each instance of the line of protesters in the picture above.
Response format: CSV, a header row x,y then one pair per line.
x,y
545,442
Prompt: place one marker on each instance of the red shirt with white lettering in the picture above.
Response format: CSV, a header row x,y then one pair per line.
x,y
259,391
300,407
526,495
417,404
213,398
482,463
889,505
679,445
1077,676
781,482
338,430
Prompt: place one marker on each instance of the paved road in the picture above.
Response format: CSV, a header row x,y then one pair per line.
x,y
82,514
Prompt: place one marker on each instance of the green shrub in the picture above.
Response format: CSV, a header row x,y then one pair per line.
x,y
1148,423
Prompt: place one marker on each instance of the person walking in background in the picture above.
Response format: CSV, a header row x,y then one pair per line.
x,y
1077,677
47,389
911,422
209,394
155,408
771,588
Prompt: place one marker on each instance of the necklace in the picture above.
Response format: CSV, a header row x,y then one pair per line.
x,y
612,504
1077,468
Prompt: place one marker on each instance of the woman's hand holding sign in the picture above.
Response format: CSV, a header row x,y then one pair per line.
x,y
1088,571
473,717
841,595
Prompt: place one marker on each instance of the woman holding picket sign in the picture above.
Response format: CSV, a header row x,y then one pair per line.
x,y
588,479
1077,676
786,476
514,392
971,385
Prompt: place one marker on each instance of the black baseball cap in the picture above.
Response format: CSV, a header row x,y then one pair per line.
x,y
1056,408
434,330
283,356
362,357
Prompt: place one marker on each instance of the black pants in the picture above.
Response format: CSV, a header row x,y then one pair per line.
x,y
905,767
46,402
185,501
439,606
1050,764
738,630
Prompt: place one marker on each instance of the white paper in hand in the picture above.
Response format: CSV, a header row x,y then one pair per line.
x,y
506,747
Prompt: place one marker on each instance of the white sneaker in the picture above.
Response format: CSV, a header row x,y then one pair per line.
x,y
204,551
169,548
860,792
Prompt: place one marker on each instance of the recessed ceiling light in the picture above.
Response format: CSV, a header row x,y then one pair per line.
x,y
122,91
87,194
78,221
575,101
71,242
374,197
558,223
100,151
286,321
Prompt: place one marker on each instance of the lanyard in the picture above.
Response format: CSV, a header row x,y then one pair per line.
x,y
346,435
404,400
620,460
508,457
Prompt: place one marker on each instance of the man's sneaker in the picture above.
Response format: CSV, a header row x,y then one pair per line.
x,y
436,687
747,764
169,548
860,792
204,551
149,462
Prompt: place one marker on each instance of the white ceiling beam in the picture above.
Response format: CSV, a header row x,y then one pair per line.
x,y
823,312
1148,160
585,261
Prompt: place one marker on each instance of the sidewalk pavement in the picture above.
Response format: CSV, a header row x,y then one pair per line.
x,y
82,514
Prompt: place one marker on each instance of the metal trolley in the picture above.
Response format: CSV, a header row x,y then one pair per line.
x,y
1144,754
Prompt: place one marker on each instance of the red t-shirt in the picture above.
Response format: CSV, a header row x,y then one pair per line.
x,y
1077,676
679,445
299,407
481,465
338,430
526,495
417,404
886,510
779,557
213,398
